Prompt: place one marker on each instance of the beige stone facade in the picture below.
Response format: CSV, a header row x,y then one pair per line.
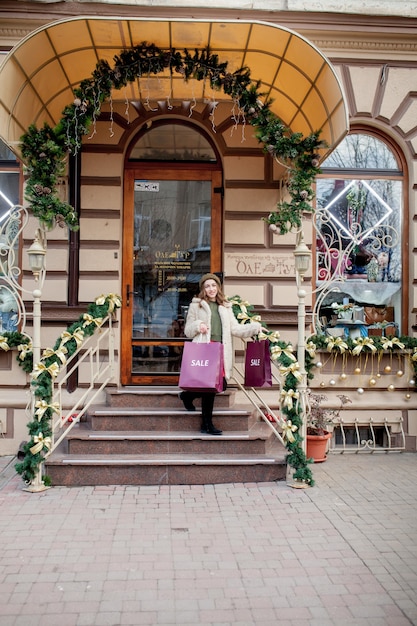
x,y
374,55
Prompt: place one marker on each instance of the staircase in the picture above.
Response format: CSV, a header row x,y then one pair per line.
x,y
144,436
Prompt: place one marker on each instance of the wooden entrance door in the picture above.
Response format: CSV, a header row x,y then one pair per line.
x,y
171,236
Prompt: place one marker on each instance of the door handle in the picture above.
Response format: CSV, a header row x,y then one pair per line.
x,y
130,293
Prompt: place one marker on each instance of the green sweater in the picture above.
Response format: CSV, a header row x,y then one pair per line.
x,y
216,324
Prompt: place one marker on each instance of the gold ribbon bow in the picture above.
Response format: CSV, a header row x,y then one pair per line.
x,y
288,397
4,344
53,370
361,343
113,301
241,303
41,406
274,336
288,428
60,353
78,335
389,344
292,369
89,319
414,355
24,349
277,351
311,348
336,343
41,442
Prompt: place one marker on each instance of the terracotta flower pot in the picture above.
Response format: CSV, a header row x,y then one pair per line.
x,y
317,446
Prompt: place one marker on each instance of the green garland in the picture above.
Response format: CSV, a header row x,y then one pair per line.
x,y
44,150
44,372
282,352
362,345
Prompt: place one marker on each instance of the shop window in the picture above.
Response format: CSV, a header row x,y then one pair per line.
x,y
359,238
9,197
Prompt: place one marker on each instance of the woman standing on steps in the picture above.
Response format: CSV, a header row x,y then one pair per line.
x,y
212,315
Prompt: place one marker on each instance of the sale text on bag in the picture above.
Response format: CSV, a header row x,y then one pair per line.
x,y
200,363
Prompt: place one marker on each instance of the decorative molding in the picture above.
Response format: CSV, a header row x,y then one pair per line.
x,y
365,44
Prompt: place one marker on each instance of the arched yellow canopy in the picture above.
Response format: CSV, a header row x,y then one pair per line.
x,y
39,75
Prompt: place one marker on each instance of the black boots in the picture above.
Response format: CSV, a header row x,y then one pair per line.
x,y
187,399
208,427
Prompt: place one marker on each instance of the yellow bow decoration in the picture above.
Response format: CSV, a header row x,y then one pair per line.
x,y
41,442
388,344
41,406
53,370
274,336
288,428
113,301
60,353
288,397
414,355
242,303
24,349
311,348
78,335
277,351
361,343
336,342
4,344
292,369
89,319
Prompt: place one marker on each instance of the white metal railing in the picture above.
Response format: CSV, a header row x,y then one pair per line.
x,y
96,355
354,439
260,405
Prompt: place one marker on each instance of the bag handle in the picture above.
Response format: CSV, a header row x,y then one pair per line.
x,y
201,338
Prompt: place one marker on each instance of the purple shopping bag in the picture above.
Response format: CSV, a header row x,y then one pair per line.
x,y
258,365
202,367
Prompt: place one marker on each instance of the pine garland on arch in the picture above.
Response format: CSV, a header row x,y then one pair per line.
x,y
44,150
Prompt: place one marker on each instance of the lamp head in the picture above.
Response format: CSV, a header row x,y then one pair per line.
x,y
36,255
302,256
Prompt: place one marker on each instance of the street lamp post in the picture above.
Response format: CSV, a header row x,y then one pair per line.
x,y
302,256
36,253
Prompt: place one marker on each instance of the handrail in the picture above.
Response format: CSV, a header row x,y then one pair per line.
x,y
251,394
100,372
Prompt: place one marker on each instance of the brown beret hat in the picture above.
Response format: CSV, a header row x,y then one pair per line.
x,y
208,277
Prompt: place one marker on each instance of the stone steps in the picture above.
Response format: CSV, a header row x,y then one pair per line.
x,y
144,437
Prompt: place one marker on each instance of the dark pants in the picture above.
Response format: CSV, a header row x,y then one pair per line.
x,y
207,400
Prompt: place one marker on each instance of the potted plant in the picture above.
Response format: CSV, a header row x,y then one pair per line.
x,y
344,311
319,419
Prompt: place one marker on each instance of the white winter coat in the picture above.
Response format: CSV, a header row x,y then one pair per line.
x,y
199,312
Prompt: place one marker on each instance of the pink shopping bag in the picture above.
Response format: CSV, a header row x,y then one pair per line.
x,y
202,367
258,365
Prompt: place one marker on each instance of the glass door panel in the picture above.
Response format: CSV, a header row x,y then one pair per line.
x,y
171,250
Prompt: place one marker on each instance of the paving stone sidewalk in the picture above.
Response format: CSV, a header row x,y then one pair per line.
x,y
341,553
